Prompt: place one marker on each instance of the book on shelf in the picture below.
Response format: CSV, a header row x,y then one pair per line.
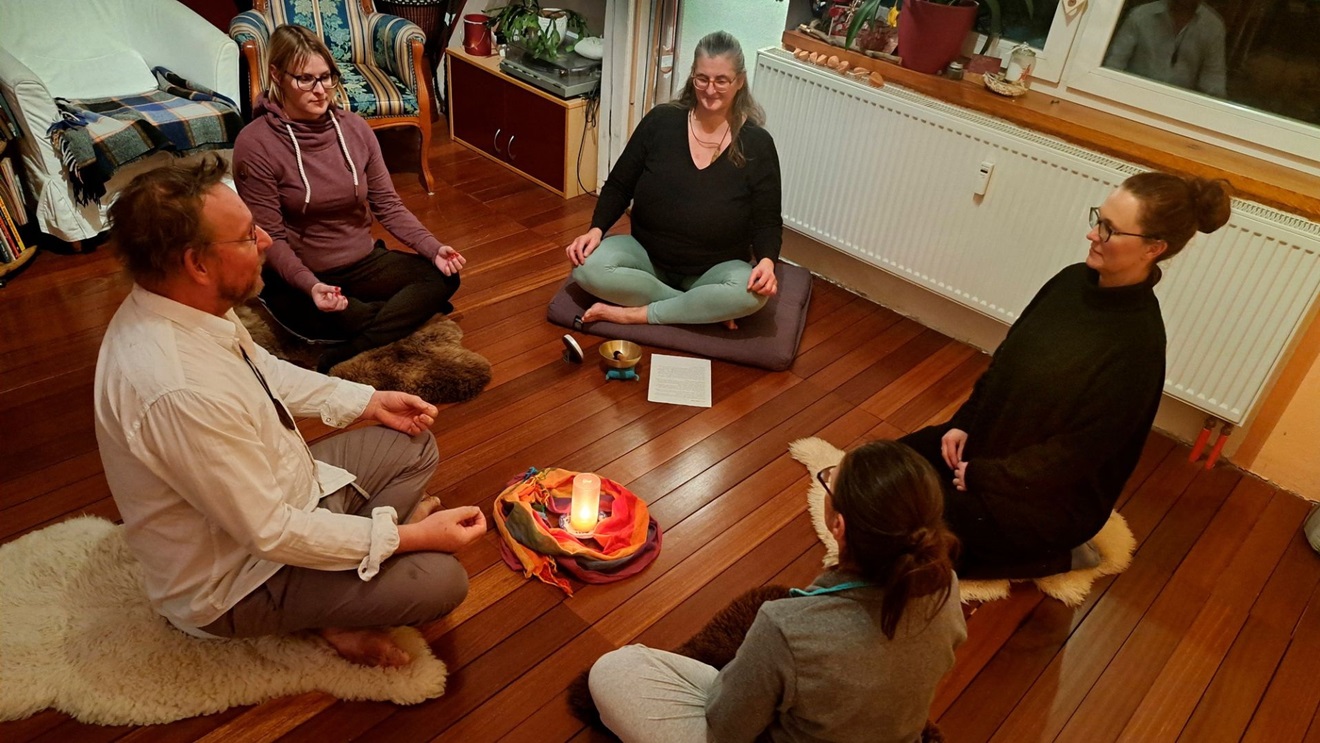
x,y
11,243
8,123
11,192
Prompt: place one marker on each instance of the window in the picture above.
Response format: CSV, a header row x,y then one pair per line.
x,y
1238,73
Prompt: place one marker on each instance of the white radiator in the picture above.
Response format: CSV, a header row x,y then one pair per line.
x,y
889,175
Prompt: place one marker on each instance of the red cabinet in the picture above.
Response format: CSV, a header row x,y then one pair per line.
x,y
525,129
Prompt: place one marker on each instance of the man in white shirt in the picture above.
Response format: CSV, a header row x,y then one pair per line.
x,y
241,528
1180,42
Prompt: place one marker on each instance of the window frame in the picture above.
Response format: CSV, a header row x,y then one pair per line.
x,y
1072,62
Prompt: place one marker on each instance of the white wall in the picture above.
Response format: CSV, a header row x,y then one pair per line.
x,y
756,23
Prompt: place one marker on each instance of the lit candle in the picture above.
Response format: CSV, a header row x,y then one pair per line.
x,y
586,503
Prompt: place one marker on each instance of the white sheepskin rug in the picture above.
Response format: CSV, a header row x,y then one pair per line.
x,y
78,635
1115,541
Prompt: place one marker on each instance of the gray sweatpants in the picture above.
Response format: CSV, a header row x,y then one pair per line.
x,y
644,694
392,469
620,271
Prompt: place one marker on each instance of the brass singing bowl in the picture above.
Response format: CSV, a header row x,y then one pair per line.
x,y
620,354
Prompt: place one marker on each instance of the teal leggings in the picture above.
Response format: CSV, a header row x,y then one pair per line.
x,y
620,272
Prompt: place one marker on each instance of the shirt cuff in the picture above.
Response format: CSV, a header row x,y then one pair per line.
x,y
384,541
346,404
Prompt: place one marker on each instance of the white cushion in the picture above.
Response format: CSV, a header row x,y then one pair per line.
x,y
95,70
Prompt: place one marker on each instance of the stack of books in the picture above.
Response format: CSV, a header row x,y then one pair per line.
x,y
13,210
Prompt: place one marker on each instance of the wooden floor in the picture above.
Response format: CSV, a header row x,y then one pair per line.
x,y
1213,634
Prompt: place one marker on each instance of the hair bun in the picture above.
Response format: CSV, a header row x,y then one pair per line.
x,y
1212,203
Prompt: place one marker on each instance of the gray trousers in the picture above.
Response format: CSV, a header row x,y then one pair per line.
x,y
392,469
644,694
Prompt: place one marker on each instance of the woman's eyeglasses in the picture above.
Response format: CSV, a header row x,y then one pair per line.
x,y
720,84
308,82
824,476
1106,230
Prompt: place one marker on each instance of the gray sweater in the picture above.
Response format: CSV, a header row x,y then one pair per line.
x,y
818,668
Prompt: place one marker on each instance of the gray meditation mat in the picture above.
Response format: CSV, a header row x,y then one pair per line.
x,y
768,340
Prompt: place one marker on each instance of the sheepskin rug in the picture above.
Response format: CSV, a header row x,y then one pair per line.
x,y
431,363
78,635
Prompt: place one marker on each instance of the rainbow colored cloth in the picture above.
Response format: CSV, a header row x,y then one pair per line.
x,y
527,516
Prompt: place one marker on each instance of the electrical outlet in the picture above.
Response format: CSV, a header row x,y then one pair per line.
x,y
983,177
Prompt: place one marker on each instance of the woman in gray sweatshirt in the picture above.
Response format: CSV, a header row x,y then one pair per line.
x,y
854,657
312,174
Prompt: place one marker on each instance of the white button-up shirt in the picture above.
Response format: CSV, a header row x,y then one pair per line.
x,y
216,493
1147,44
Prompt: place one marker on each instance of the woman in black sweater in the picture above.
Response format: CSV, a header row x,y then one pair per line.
x,y
703,179
1039,453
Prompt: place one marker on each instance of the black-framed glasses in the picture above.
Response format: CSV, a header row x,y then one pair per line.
x,y
720,84
308,82
823,477
1106,230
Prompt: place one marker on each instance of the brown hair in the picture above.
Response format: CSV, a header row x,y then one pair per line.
x,y
894,533
744,108
158,216
290,48
1174,208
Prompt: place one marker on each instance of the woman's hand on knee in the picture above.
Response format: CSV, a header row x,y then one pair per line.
x,y
763,280
328,298
449,261
583,245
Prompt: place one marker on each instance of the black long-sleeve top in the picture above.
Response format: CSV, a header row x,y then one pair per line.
x,y
1056,424
688,219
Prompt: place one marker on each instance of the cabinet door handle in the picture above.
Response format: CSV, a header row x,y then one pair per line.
x,y
495,140
511,138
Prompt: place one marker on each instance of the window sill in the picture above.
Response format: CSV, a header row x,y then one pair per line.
x,y
1252,179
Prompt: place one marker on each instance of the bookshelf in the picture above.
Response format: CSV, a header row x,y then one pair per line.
x,y
10,227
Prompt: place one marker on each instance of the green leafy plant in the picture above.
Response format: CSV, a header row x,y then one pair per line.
x,y
527,24
870,11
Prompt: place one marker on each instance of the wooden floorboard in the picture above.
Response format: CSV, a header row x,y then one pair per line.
x,y
1212,634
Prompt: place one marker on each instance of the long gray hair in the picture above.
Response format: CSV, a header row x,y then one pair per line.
x,y
744,109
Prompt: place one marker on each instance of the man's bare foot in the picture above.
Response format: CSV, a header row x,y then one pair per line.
x,y
425,507
367,647
618,315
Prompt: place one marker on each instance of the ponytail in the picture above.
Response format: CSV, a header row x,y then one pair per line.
x,y
894,533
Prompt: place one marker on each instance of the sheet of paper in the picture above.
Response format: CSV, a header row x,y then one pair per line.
x,y
679,381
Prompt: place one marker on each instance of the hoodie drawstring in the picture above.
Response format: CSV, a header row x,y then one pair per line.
x,y
302,173
344,146
297,153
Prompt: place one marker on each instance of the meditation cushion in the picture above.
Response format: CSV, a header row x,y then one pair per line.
x,y
768,339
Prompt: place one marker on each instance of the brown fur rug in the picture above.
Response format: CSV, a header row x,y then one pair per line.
x,y
431,363
715,645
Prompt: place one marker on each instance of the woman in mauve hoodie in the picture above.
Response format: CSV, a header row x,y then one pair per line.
x,y
312,174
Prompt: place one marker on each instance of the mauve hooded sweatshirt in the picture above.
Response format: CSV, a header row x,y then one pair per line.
x,y
314,187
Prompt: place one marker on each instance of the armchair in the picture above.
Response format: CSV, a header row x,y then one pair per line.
x,y
94,48
380,56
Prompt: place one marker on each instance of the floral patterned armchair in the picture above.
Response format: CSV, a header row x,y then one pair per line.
x,y
379,55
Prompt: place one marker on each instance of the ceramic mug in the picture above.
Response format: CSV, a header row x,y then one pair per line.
x,y
476,34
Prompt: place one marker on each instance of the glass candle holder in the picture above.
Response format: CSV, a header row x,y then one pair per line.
x,y
584,512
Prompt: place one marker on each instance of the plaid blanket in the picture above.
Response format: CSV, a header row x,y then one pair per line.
x,y
97,136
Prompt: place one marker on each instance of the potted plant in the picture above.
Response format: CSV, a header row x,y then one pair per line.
x,y
870,28
541,31
930,32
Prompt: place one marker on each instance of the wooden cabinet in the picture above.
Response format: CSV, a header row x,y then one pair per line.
x,y
539,135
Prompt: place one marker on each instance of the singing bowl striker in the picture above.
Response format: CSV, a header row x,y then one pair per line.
x,y
620,354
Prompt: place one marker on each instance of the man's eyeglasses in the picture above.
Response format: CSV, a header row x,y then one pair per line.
x,y
720,84
308,82
249,239
1107,230
824,478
